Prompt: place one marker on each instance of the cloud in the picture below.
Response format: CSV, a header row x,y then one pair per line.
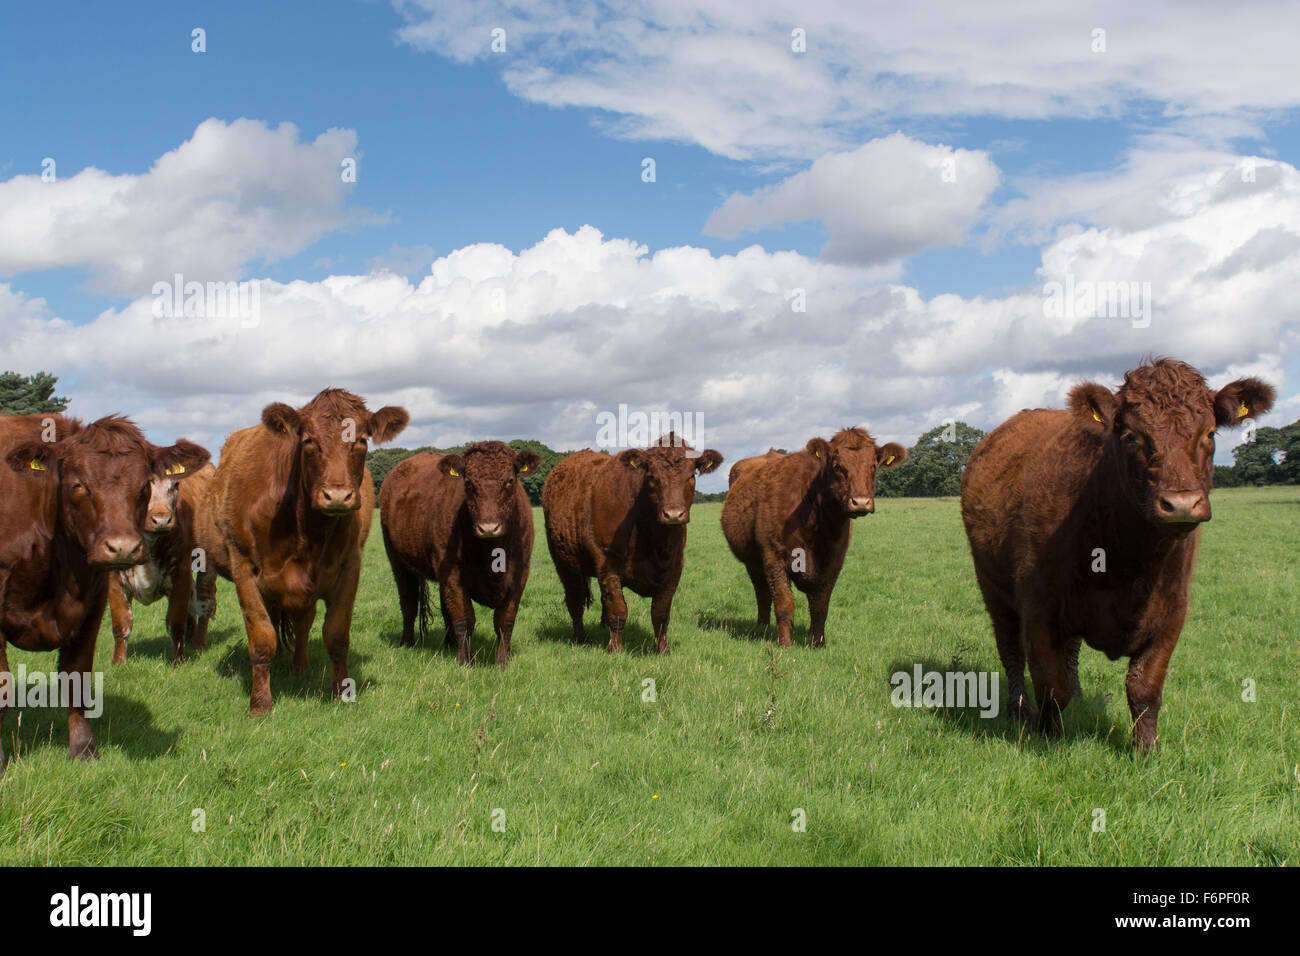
x,y
887,199
724,75
231,194
494,343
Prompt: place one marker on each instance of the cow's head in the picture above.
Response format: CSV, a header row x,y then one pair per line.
x,y
104,473
1159,426
491,471
668,471
330,434
164,487
848,465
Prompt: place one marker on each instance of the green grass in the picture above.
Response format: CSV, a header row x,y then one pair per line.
x,y
586,773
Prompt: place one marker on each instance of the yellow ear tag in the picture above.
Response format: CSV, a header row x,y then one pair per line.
x,y
1095,416
453,472
1242,410
36,465
817,454
174,470
889,460
526,469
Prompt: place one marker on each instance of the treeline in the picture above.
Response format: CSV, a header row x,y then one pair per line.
x,y
1272,457
933,467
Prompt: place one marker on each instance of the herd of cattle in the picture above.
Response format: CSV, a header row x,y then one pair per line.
x,y
95,515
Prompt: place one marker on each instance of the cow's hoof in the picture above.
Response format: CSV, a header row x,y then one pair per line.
x,y
819,642
119,655
259,708
783,642
85,751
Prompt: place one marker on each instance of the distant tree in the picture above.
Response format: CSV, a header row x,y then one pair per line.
x,y
382,460
934,464
25,394
1225,476
1271,458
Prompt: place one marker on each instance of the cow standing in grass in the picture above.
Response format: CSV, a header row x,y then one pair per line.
x,y
166,571
463,521
1083,526
789,521
72,503
290,508
621,519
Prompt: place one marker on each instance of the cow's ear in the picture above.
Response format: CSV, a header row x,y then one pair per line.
x,y
1093,405
707,461
33,459
453,466
527,462
887,456
820,449
1242,399
180,460
282,419
631,458
387,423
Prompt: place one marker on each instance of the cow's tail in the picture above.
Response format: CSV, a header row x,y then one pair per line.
x,y
426,608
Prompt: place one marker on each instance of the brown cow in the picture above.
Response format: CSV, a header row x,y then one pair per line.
x,y
465,522
166,572
291,503
750,466
622,520
1083,527
72,502
791,521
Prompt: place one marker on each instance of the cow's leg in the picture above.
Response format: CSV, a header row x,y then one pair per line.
x,y
613,609
78,659
576,598
261,634
778,582
661,606
1006,631
1048,669
301,622
178,608
337,627
819,603
1072,648
1145,686
7,689
762,592
503,620
204,607
119,608
408,591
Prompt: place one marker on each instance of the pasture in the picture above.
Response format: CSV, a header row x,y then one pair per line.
x,y
561,751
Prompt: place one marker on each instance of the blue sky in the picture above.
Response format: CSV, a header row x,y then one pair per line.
x,y
458,147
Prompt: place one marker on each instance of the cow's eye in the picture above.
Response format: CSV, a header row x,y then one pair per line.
x,y
1130,437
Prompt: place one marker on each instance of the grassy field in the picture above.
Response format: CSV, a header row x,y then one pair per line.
x,y
575,768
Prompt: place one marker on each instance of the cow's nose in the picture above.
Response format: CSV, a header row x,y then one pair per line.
x,y
1182,507
120,550
337,499
160,522
862,505
488,529
674,516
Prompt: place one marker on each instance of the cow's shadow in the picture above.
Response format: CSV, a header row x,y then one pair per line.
x,y
482,642
126,725
161,646
313,683
748,628
556,628
1083,719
